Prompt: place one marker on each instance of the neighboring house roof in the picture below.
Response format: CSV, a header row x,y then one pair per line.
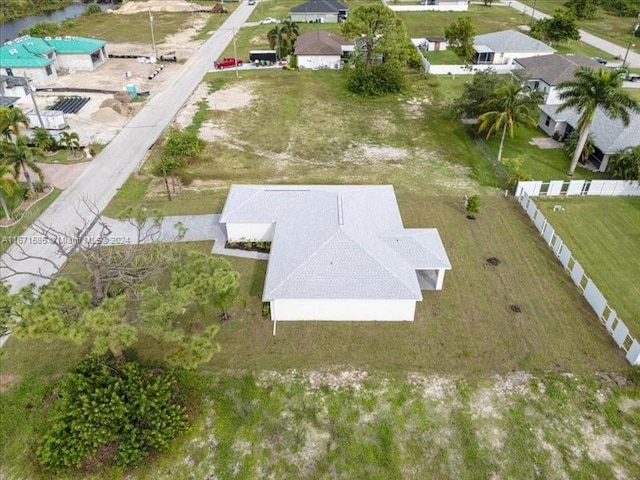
x,y
337,242
31,52
555,69
319,6
608,135
509,41
75,45
320,42
25,52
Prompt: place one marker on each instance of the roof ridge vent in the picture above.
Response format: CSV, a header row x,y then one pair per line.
x,y
340,212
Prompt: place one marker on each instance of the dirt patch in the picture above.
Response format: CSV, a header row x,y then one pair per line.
x,y
235,97
629,404
7,381
62,176
546,143
413,107
157,6
346,379
375,153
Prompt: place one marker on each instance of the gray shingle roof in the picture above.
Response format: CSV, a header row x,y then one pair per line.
x,y
319,6
555,69
608,135
319,42
337,242
510,41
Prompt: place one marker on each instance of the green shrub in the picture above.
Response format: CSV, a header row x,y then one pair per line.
x,y
473,204
42,29
113,414
375,80
92,9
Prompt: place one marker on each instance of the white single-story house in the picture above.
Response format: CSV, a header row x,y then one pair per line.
x,y
428,5
546,72
319,11
337,252
609,136
320,49
502,48
41,59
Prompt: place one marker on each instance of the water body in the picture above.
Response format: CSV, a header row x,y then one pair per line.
x,y
11,30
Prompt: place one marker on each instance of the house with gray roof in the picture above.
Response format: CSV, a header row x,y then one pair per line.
x,y
544,73
337,252
320,49
319,11
502,48
609,136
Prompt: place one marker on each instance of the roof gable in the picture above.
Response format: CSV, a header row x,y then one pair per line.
x,y
319,6
337,241
26,52
555,69
319,42
510,41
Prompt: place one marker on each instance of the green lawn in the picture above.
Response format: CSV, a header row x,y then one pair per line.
x,y
541,164
446,57
609,27
9,233
603,234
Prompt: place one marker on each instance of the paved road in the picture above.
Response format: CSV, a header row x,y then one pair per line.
x,y
126,152
633,59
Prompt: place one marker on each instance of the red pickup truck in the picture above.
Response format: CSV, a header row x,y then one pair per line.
x,y
228,62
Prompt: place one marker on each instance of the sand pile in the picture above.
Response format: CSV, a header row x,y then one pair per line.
x,y
107,115
158,6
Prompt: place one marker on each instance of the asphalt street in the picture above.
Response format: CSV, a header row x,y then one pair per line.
x,y
110,169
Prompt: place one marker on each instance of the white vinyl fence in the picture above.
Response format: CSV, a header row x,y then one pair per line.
x,y
555,188
470,69
607,315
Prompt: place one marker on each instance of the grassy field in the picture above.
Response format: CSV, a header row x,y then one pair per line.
x,y
603,235
609,27
7,234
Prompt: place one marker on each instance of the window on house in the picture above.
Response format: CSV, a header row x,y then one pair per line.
x,y
9,72
48,70
536,85
547,121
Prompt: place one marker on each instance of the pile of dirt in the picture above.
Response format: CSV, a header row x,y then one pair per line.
x,y
158,6
108,116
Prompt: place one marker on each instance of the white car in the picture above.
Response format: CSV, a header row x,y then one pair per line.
x,y
268,20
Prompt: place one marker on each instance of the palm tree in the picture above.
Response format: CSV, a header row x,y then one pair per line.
x,y
43,139
625,164
11,118
22,159
592,90
70,140
8,186
511,107
282,37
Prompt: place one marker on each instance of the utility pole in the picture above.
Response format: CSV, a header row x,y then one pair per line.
x,y
153,38
27,86
235,53
533,11
633,34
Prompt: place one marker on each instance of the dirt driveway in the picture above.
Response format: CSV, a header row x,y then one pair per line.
x,y
62,176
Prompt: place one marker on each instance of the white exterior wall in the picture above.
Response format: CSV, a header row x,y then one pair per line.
x,y
466,69
553,127
552,97
38,76
342,310
319,61
255,232
313,17
76,63
507,58
455,6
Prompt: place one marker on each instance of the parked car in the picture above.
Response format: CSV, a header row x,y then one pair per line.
x,y
633,77
251,2
600,60
268,20
227,62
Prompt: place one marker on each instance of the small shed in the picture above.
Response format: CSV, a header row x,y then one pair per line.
x,y
51,119
436,44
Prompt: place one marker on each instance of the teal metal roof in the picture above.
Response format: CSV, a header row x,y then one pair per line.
x,y
25,52
74,45
31,52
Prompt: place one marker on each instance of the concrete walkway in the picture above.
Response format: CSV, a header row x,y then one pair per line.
x,y
633,59
199,228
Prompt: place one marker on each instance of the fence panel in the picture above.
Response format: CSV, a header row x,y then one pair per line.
x,y
620,333
540,221
548,234
610,319
575,187
577,272
564,256
555,188
595,298
633,355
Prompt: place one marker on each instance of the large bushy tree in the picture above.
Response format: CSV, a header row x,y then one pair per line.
x,y
558,28
625,164
111,414
459,36
477,92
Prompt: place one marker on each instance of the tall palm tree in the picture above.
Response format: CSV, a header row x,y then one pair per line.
x,y
70,140
12,118
8,185
43,139
23,159
592,90
282,37
512,106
